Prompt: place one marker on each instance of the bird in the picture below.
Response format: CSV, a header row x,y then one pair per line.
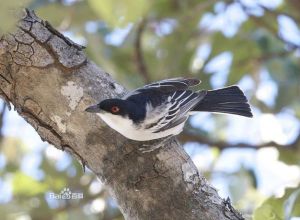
x,y
160,109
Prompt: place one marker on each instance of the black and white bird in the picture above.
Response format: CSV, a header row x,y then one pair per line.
x,y
161,109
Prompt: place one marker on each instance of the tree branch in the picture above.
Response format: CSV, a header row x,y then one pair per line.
x,y
2,114
192,137
50,82
138,52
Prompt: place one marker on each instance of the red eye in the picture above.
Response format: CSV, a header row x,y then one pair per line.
x,y
115,109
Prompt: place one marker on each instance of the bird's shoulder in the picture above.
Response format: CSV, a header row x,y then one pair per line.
x,y
155,98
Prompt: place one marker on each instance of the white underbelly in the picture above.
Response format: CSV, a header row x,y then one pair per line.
x,y
146,135
130,131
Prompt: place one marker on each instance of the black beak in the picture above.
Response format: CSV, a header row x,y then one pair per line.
x,y
93,109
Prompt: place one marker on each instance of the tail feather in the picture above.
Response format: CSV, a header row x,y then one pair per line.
x,y
229,100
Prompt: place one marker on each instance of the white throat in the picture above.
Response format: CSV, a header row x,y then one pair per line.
x,y
116,122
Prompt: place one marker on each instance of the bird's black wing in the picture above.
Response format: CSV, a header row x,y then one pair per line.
x,y
166,86
178,106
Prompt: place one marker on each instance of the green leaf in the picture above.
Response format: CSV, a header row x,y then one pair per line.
x,y
290,204
57,14
285,72
119,12
8,11
275,208
244,51
290,156
266,212
26,185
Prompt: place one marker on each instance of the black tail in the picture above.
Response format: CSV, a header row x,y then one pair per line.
x,y
229,100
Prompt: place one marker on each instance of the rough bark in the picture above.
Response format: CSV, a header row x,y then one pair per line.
x,y
50,82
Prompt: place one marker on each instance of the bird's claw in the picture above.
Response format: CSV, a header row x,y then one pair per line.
x,y
150,147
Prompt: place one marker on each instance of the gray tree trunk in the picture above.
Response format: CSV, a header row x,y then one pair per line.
x,y
50,82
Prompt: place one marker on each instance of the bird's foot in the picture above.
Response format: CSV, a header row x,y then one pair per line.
x,y
150,147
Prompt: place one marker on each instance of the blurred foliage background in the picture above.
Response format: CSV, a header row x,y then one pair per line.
x,y
252,43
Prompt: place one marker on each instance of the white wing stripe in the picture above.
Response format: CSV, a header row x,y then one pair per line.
x,y
177,104
182,100
174,112
180,95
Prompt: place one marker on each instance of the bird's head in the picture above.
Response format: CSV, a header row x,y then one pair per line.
x,y
112,106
